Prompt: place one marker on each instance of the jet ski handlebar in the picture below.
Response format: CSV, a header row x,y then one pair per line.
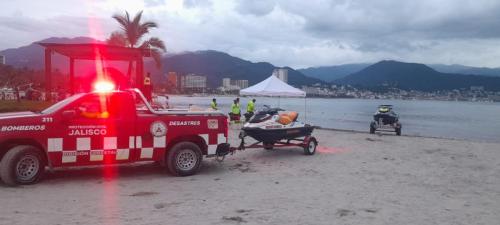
x,y
267,109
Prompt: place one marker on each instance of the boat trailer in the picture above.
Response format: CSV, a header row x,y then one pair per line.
x,y
308,143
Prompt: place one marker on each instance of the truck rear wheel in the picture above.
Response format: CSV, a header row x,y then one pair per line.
x,y
22,164
184,159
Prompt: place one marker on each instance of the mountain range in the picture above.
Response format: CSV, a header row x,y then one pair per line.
x,y
32,55
467,70
332,73
217,65
213,64
415,76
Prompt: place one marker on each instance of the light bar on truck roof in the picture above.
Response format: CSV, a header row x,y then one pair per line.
x,y
104,86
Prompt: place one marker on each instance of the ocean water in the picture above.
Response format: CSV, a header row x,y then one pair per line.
x,y
463,120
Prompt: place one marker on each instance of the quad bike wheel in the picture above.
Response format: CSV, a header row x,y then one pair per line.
x,y
398,129
372,128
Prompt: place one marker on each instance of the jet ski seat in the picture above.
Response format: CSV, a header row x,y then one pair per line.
x,y
293,116
284,119
287,118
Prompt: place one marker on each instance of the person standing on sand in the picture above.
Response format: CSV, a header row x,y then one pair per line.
x,y
213,104
251,106
238,104
148,88
18,95
235,111
29,93
250,109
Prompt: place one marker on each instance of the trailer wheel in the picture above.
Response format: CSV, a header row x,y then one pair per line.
x,y
184,159
23,165
310,146
268,145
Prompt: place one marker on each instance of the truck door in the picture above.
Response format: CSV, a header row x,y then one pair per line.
x,y
151,131
100,132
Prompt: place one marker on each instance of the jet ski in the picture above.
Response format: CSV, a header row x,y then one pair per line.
x,y
385,119
272,125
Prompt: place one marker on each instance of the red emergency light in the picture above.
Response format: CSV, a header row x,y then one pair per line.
x,y
104,86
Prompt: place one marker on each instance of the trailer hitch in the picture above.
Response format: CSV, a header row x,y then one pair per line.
x,y
222,150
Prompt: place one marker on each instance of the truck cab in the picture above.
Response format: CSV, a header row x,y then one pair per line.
x,y
101,128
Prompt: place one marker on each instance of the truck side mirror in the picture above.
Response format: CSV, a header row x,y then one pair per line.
x,y
68,114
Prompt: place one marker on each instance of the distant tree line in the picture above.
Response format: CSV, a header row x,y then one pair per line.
x,y
12,77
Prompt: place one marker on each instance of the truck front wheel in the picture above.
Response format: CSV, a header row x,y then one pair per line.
x,y
22,164
184,159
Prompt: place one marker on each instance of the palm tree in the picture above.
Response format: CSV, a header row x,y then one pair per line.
x,y
132,32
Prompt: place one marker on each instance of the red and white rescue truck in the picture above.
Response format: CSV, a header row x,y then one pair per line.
x,y
110,127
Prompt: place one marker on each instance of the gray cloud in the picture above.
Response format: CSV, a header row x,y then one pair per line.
x,y
152,3
293,33
24,30
389,25
379,29
256,7
196,3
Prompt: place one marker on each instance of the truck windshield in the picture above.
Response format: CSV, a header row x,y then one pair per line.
x,y
61,104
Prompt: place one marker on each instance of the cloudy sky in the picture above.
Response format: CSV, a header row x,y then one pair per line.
x,y
294,33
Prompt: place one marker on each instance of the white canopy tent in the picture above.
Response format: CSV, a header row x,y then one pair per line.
x,y
273,87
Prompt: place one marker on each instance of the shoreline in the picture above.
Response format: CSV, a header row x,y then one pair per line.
x,y
341,98
407,135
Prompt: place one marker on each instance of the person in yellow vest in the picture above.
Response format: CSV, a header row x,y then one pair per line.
x,y
235,113
148,87
238,105
251,106
250,110
213,104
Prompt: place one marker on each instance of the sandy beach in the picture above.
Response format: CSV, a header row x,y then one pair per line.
x,y
355,178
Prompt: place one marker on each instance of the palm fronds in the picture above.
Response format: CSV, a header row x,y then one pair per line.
x,y
132,31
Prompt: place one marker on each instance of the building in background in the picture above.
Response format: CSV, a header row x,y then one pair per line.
x,y
232,85
172,80
240,83
281,73
2,60
476,88
193,83
226,82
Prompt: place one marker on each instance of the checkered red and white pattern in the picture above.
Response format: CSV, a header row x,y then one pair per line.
x,y
212,141
83,150
95,149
